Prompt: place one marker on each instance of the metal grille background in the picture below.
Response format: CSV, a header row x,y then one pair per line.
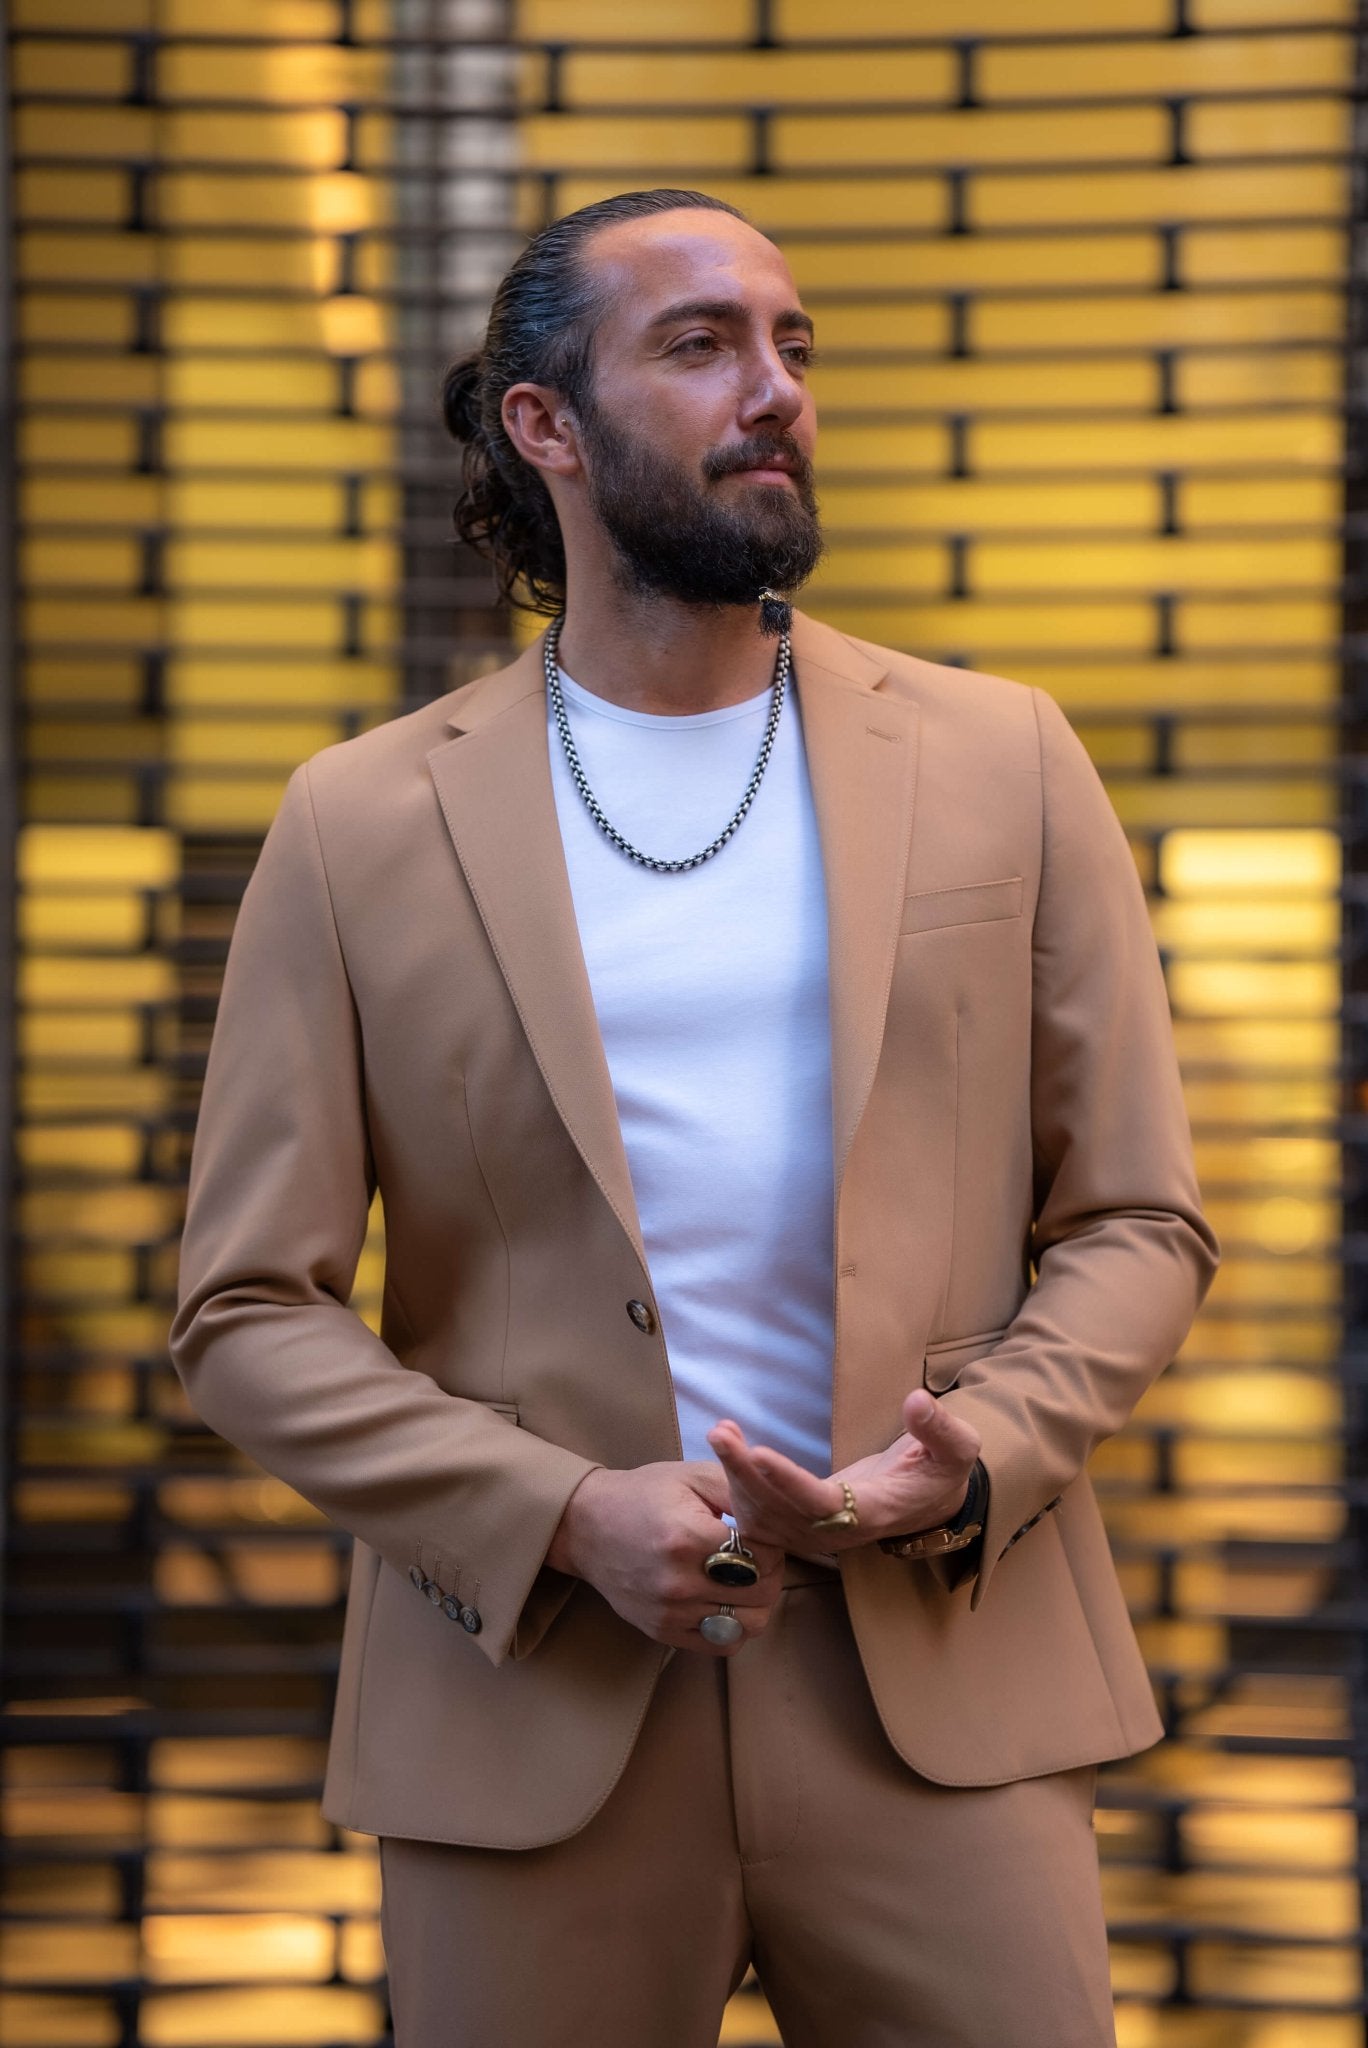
x,y
1080,270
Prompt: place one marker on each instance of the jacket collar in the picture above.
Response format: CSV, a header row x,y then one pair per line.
x,y
814,646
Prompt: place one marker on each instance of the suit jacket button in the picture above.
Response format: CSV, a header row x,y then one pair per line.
x,y
433,1591
470,1621
643,1316
451,1607
416,1576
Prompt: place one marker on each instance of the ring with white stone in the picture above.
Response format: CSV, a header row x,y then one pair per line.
x,y
721,1629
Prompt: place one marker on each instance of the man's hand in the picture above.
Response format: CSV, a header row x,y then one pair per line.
x,y
640,1537
919,1482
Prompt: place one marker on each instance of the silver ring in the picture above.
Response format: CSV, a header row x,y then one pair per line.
x,y
721,1629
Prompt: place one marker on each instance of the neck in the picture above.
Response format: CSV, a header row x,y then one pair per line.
x,y
652,654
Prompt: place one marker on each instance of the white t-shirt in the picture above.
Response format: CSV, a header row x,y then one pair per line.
x,y
711,994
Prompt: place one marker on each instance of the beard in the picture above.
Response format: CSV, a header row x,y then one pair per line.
x,y
673,538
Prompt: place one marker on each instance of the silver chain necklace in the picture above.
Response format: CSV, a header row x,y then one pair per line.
x,y
595,808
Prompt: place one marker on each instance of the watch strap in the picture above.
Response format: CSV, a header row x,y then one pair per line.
x,y
958,1534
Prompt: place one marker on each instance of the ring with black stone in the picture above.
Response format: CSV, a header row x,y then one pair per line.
x,y
733,1564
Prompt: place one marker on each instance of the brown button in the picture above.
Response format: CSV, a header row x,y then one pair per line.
x,y
416,1576
433,1591
451,1607
643,1315
471,1620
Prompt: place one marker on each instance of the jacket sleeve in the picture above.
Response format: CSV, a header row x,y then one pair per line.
x,y
270,1354
1122,1253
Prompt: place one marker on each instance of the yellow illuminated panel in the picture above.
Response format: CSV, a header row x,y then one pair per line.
x,y
955,264
1196,64
668,146
905,203
1202,192
806,141
884,21
654,78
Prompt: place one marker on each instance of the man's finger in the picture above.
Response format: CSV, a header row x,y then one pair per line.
x,y
771,1474
801,1491
752,1493
943,1432
737,1459
741,1467
729,1448
707,1482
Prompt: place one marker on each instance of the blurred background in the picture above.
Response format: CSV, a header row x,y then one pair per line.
x,y
1084,277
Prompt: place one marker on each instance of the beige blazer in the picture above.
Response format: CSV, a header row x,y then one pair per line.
x,y
406,1006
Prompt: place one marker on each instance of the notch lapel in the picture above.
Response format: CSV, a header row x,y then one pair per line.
x,y
862,760
494,785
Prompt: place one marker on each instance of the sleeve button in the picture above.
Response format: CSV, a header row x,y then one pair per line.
x,y
416,1576
643,1316
471,1621
451,1607
433,1591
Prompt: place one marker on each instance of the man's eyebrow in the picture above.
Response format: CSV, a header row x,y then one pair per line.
x,y
724,309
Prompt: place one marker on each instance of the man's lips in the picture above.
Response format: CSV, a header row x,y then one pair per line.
x,y
766,473
771,465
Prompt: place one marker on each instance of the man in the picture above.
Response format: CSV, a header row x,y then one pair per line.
x,y
762,1055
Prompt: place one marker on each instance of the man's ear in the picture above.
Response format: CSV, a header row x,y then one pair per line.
x,y
541,429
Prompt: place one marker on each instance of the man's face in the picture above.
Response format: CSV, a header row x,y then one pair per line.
x,y
698,440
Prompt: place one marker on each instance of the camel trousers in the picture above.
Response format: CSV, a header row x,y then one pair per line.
x,y
764,1818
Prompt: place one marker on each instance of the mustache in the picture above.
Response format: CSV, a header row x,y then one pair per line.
x,y
756,453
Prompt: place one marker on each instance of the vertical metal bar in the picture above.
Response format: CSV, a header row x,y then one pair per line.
x,y
9,801
457,236
1354,1042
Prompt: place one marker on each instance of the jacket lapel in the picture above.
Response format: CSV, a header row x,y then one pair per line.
x,y
862,760
494,785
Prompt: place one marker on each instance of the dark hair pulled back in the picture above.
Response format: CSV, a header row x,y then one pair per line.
x,y
540,331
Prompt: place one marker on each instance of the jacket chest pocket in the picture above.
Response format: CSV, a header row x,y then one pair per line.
x,y
946,1359
976,903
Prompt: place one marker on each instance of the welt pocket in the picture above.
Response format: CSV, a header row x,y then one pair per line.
x,y
508,1409
974,903
948,1356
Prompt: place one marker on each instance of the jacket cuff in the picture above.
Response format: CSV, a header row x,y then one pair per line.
x,y
506,1595
1018,1493
548,1594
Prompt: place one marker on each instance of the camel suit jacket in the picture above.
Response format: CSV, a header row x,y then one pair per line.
x,y
1017,1225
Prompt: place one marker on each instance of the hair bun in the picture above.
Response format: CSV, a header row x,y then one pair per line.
x,y
460,399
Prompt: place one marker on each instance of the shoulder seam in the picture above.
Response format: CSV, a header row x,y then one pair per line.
x,y
323,868
1040,758
372,1176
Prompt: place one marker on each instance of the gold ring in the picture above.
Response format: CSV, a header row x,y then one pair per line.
x,y
733,1564
845,1517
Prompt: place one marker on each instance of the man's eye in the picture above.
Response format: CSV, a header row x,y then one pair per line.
x,y
695,344
801,354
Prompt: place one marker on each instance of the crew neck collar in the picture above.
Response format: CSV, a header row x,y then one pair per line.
x,y
601,707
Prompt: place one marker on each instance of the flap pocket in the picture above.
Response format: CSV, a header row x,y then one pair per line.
x,y
976,903
507,1409
946,1359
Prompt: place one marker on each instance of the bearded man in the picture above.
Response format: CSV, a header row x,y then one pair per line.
x,y
758,1043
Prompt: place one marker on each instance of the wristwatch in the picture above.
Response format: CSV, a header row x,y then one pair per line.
x,y
956,1535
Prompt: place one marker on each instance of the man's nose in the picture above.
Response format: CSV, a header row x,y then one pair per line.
x,y
774,396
